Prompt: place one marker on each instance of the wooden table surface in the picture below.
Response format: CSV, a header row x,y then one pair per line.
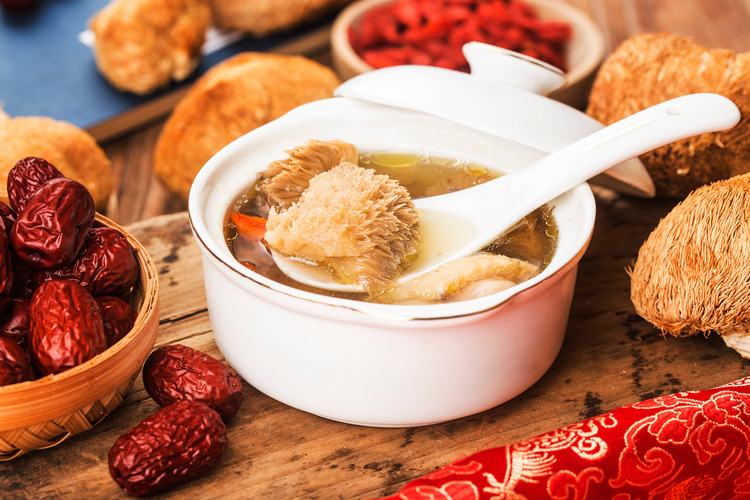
x,y
610,356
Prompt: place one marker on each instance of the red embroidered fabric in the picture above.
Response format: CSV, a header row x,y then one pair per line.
x,y
687,445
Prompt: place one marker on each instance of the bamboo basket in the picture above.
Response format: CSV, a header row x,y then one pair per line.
x,y
45,412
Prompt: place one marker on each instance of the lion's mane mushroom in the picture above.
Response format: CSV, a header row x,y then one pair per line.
x,y
692,273
359,224
283,182
649,68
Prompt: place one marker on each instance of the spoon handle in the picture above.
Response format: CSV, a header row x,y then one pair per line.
x,y
672,120
493,207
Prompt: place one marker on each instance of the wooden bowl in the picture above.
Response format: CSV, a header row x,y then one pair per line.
x,y
45,412
584,55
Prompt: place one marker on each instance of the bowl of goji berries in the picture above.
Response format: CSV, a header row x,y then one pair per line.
x,y
79,310
373,34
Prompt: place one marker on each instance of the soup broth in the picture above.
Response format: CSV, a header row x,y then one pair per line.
x,y
533,239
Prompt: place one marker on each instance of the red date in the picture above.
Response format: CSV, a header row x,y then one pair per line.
x,y
6,272
15,364
7,218
52,228
174,445
24,281
106,264
118,317
25,179
177,372
15,322
65,326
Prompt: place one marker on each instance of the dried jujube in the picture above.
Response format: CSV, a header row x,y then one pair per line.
x,y
54,224
7,218
177,373
24,282
118,318
178,443
15,364
106,265
6,272
14,323
26,177
65,326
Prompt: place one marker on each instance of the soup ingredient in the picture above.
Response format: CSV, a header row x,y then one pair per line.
x,y
177,443
54,224
15,322
249,227
25,179
231,99
283,181
432,32
450,281
261,19
72,151
179,373
143,45
105,265
649,68
691,273
15,364
118,318
533,239
65,327
53,312
359,224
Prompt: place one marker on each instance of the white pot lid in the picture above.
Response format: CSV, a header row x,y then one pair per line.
x,y
504,95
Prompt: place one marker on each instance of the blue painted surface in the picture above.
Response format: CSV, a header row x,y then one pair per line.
x,y
46,71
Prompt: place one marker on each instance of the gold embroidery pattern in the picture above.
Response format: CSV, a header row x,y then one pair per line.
x,y
682,446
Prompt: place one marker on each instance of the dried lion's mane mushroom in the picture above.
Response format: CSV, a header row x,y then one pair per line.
x,y
692,274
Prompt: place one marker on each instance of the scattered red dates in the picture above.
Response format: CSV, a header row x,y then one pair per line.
x,y
179,442
118,318
433,32
52,227
106,265
177,372
15,365
65,326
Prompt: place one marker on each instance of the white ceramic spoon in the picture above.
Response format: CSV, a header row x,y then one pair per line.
x,y
458,224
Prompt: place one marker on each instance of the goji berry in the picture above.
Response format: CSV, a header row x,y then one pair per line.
x,y
249,227
418,32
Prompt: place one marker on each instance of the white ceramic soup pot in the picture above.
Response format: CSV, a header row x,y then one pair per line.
x,y
381,364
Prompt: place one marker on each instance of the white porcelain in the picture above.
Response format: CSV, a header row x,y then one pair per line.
x,y
500,65
376,364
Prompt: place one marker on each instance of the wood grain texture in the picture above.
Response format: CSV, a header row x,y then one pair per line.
x,y
610,357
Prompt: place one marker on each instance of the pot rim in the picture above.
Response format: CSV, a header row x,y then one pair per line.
x,y
373,309
579,199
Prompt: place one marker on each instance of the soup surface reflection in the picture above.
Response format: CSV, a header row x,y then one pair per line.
x,y
533,239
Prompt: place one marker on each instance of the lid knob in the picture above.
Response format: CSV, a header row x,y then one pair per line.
x,y
512,68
